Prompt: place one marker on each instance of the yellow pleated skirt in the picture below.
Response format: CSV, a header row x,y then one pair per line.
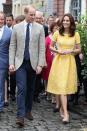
x,y
63,75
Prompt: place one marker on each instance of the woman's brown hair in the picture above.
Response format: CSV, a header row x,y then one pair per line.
x,y
72,25
52,26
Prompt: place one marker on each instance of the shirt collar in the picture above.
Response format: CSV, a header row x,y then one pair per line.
x,y
25,24
2,28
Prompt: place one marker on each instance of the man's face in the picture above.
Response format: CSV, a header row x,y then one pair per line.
x,y
2,20
50,21
30,16
38,18
9,21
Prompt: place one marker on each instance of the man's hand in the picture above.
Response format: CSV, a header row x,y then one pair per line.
x,y
38,70
11,68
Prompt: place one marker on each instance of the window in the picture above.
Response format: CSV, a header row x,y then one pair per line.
x,y
76,8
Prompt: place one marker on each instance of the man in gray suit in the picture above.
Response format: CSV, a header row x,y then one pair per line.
x,y
27,57
5,34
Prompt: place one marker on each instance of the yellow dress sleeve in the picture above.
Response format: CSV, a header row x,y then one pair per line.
x,y
55,36
77,38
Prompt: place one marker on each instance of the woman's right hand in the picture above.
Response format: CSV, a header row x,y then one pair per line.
x,y
65,52
53,50
61,52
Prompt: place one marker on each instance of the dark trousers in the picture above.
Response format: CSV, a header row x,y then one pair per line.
x,y
7,79
85,87
25,80
39,86
75,96
12,84
79,68
3,73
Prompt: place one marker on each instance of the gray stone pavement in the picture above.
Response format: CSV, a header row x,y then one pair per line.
x,y
45,119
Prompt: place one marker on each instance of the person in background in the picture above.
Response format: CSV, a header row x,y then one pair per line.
x,y
74,98
39,19
9,21
49,55
56,98
12,77
39,83
62,79
11,81
27,58
50,20
19,19
79,58
5,34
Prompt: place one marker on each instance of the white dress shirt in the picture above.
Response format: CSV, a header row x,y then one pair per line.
x,y
30,28
1,32
11,28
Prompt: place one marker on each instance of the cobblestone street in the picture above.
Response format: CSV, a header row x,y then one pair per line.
x,y
44,119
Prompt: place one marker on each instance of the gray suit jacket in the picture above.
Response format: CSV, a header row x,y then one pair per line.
x,y
36,46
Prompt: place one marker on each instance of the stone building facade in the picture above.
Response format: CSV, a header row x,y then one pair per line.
x,y
49,7
58,7
19,5
75,7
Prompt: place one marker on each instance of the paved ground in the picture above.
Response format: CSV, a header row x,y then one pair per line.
x,y
45,119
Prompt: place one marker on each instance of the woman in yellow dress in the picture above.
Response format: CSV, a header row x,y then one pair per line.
x,y
63,74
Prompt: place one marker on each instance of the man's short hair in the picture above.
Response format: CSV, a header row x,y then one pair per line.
x,y
26,9
10,15
1,12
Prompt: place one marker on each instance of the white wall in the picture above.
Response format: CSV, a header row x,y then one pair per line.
x,y
67,6
1,6
16,11
83,7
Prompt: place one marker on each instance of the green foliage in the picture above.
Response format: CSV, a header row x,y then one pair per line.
x,y
82,29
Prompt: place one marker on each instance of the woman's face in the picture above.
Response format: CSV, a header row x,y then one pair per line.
x,y
66,22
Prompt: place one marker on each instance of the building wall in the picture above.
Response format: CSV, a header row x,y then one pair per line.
x,y
63,6
67,6
59,7
83,7
50,7
19,5
47,6
8,1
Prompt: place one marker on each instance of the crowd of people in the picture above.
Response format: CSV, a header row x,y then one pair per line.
x,y
39,56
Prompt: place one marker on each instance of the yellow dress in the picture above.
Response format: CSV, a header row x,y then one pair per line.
x,y
63,73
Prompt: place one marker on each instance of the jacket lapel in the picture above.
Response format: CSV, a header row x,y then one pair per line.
x,y
32,32
3,35
22,31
